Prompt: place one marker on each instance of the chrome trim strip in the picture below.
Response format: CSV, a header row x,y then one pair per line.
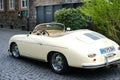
x,y
42,44
90,66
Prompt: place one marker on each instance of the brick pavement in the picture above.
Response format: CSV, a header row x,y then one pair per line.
x,y
27,69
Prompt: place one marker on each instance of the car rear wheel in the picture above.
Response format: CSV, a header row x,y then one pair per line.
x,y
58,63
15,50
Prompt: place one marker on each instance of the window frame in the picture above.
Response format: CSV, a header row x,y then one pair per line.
x,y
1,5
12,5
23,4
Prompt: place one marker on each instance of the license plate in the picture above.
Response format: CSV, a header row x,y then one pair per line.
x,y
107,50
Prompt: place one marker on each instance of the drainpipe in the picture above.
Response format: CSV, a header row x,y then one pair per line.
x,y
28,16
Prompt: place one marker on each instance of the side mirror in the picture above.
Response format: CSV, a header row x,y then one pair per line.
x,y
68,29
29,33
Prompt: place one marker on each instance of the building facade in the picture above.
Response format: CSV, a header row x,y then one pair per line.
x,y
21,14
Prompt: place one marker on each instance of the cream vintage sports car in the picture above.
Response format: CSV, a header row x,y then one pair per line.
x,y
50,42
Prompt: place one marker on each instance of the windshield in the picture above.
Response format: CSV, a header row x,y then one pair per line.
x,y
49,27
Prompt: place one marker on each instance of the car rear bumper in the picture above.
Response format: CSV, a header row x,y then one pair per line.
x,y
98,65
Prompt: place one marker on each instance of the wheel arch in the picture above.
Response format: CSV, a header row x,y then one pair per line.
x,y
65,66
11,45
52,52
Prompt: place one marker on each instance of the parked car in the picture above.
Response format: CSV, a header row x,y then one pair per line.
x,y
50,42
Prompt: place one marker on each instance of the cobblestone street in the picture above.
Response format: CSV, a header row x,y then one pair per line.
x,y
27,69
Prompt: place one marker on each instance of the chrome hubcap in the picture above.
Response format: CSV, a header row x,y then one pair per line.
x,y
57,62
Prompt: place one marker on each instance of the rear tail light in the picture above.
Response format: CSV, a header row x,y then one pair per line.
x,y
91,55
94,60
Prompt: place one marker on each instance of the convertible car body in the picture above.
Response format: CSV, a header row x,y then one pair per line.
x,y
50,42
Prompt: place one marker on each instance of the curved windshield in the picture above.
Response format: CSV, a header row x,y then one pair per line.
x,y
51,27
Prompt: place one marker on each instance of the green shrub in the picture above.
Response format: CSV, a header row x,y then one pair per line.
x,y
72,18
105,15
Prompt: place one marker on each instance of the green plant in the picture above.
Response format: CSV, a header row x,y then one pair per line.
x,y
105,15
72,18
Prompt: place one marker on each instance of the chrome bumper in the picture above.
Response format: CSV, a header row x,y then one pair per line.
x,y
98,65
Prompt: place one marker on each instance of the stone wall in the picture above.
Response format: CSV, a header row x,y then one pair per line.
x,y
10,19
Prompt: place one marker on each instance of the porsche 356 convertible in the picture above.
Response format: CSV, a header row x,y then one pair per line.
x,y
52,43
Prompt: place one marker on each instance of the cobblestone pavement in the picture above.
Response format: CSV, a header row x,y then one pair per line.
x,y
27,69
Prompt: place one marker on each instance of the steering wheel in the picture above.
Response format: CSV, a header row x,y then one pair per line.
x,y
44,32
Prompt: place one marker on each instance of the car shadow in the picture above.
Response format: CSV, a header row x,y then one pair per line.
x,y
35,62
94,74
30,62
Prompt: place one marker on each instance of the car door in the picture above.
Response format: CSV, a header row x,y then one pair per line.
x,y
31,46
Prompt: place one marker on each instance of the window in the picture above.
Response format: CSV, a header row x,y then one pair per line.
x,y
1,5
23,3
11,5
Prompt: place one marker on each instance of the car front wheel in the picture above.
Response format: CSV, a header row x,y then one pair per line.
x,y
15,50
58,63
